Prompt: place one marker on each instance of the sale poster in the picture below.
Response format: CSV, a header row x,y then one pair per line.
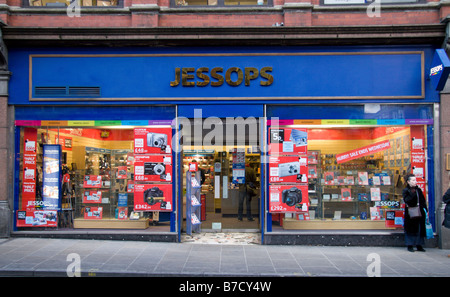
x,y
151,197
153,168
29,169
288,198
153,141
418,159
287,141
363,151
288,169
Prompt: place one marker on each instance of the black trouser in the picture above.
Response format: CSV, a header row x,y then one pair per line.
x,y
244,196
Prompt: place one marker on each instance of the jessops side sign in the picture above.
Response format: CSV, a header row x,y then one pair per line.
x,y
440,69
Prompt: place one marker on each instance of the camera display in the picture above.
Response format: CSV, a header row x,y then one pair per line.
x,y
292,197
157,140
152,168
288,169
153,196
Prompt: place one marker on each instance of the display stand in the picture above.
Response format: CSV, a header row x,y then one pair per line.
x,y
193,205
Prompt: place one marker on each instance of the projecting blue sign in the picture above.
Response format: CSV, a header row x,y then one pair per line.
x,y
440,69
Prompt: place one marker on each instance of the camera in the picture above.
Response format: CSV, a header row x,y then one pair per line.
x,y
157,140
292,196
287,169
151,168
154,195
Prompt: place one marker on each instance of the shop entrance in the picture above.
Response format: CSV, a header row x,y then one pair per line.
x,y
227,154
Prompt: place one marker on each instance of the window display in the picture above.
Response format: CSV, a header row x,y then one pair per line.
x,y
342,177
94,177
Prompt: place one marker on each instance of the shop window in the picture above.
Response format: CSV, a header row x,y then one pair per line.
x,y
368,2
342,178
221,3
66,3
95,177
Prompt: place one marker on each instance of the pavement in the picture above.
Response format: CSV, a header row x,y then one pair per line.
x,y
40,257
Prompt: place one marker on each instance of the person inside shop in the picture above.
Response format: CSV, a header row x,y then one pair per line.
x,y
246,191
414,227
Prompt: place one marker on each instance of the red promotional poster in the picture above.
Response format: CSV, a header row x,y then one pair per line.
x,y
418,161
130,186
92,181
288,169
150,197
37,218
394,218
153,140
288,198
363,151
287,141
93,213
92,196
29,169
65,142
153,168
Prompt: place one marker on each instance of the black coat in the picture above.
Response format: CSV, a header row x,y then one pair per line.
x,y
412,225
446,199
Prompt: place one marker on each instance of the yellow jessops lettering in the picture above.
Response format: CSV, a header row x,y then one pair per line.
x,y
187,76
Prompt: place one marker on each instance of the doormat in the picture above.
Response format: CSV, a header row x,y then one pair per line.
x,y
222,238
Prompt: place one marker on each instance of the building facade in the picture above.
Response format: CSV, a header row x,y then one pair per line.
x,y
108,105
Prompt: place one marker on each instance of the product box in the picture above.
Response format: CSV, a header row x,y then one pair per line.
x,y
288,169
153,141
93,213
151,197
287,141
329,178
92,181
288,198
346,194
92,196
153,168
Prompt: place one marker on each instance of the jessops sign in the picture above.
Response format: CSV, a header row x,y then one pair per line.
x,y
230,76
440,69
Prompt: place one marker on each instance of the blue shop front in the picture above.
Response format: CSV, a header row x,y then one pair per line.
x,y
152,143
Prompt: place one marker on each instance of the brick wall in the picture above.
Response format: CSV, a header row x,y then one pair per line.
x,y
147,13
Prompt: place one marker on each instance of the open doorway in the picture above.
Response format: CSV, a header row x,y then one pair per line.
x,y
227,152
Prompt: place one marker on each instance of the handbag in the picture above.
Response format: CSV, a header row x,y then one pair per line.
x,y
414,211
428,227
